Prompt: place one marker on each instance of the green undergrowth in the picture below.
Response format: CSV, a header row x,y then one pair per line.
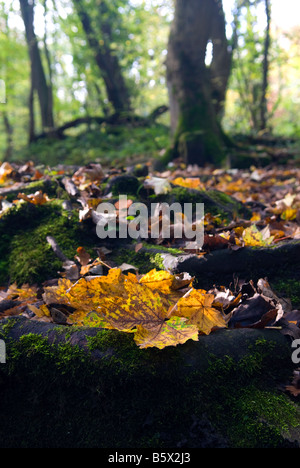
x,y
112,394
107,144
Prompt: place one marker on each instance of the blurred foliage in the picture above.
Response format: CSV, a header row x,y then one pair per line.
x,y
106,144
139,32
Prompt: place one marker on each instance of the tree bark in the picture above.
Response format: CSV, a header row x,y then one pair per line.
x,y
220,67
263,102
31,111
39,82
108,63
9,137
196,91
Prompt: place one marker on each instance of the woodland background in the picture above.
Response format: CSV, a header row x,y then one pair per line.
x,y
133,37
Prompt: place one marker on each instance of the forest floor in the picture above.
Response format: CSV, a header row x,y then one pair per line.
x,y
57,276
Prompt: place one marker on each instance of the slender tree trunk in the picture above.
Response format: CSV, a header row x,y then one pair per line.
x,y
49,65
31,112
108,64
263,102
197,92
9,137
39,81
220,67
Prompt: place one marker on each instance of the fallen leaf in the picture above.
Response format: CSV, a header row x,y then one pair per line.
x,y
188,182
198,310
82,256
161,280
143,306
86,175
6,170
38,198
294,388
171,333
159,185
253,237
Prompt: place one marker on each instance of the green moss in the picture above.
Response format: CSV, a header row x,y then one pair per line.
x,y
26,256
259,418
163,249
199,137
215,202
157,261
288,288
140,260
143,260
51,187
122,185
259,413
112,394
122,354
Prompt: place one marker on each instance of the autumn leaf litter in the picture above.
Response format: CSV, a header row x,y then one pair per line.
x,y
160,308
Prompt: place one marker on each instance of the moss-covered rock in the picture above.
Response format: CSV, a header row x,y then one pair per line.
x,y
123,185
215,202
25,255
91,388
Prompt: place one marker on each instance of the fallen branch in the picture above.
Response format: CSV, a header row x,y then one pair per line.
x,y
114,119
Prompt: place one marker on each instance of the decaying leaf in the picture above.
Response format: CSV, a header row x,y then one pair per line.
x,y
161,280
139,305
83,256
86,175
37,198
253,237
189,182
197,309
172,332
158,184
5,171
294,387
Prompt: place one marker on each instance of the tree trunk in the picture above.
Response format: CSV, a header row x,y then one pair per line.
x,y
39,82
108,63
263,102
9,137
31,111
220,67
196,91
49,65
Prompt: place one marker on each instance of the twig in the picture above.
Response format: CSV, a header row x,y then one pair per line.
x,y
56,249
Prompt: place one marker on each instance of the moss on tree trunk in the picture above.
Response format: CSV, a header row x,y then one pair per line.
x,y
195,103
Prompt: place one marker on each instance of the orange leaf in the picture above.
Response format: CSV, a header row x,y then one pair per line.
x,y
38,198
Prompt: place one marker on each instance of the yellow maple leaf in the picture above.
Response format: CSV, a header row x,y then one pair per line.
x,y
41,311
144,307
197,308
